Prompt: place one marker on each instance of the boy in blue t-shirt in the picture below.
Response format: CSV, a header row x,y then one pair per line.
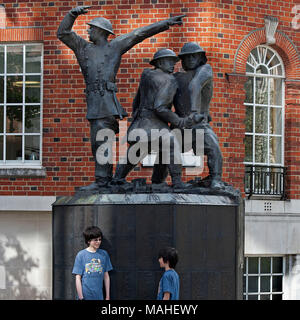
x,y
91,268
169,283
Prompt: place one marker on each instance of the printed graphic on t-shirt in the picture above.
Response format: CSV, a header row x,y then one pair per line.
x,y
94,266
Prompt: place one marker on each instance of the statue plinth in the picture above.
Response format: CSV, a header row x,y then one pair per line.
x,y
207,231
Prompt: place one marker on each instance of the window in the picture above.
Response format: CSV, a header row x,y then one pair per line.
x,y
264,107
263,278
21,104
264,103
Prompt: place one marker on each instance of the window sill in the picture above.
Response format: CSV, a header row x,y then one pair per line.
x,y
23,172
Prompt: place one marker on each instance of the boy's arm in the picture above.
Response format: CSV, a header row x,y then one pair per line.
x,y
79,286
166,296
107,285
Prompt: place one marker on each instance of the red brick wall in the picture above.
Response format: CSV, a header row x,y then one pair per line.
x,y
218,26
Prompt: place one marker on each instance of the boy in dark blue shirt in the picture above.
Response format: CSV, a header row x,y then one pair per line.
x,y
169,283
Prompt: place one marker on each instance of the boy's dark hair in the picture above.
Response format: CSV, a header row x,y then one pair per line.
x,y
170,255
92,232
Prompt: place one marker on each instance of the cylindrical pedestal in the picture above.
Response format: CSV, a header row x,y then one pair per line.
x,y
206,230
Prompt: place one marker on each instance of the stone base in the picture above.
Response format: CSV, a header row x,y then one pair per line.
x,y
206,230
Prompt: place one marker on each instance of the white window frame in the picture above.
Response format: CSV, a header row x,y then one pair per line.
x,y
259,293
34,164
269,106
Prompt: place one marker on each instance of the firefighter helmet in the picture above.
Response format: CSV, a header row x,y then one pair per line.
x,y
189,48
102,23
164,53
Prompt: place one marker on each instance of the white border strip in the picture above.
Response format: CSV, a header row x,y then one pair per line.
x,y
26,203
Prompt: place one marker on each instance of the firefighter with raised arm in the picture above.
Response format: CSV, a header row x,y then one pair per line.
x,y
99,60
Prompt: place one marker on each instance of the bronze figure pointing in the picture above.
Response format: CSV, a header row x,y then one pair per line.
x,y
99,61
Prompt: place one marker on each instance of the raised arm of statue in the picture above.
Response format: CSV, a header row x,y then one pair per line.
x,y
65,33
127,41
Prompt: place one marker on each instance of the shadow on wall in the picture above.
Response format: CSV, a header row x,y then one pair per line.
x,y
15,272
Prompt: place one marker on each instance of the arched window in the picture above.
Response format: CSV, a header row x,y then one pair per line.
x,y
264,103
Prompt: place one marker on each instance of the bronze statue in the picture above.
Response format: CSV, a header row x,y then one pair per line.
x,y
152,111
99,61
194,93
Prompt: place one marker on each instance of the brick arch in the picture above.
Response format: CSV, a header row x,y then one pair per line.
x,y
284,46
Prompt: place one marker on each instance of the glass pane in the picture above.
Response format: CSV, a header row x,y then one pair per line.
x,y
261,120
1,148
252,61
249,90
262,53
249,119
276,92
269,56
275,150
1,59
276,71
276,296
32,147
255,55
32,89
32,119
262,69
253,284
261,149
261,91
14,59
248,149
265,284
249,68
265,297
33,59
277,283
274,62
265,265
14,119
252,265
1,118
275,121
1,89
277,265
253,297
13,147
14,89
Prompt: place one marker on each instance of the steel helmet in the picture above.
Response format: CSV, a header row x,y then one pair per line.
x,y
163,53
102,23
189,48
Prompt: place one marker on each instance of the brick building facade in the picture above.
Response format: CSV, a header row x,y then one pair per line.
x,y
229,31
